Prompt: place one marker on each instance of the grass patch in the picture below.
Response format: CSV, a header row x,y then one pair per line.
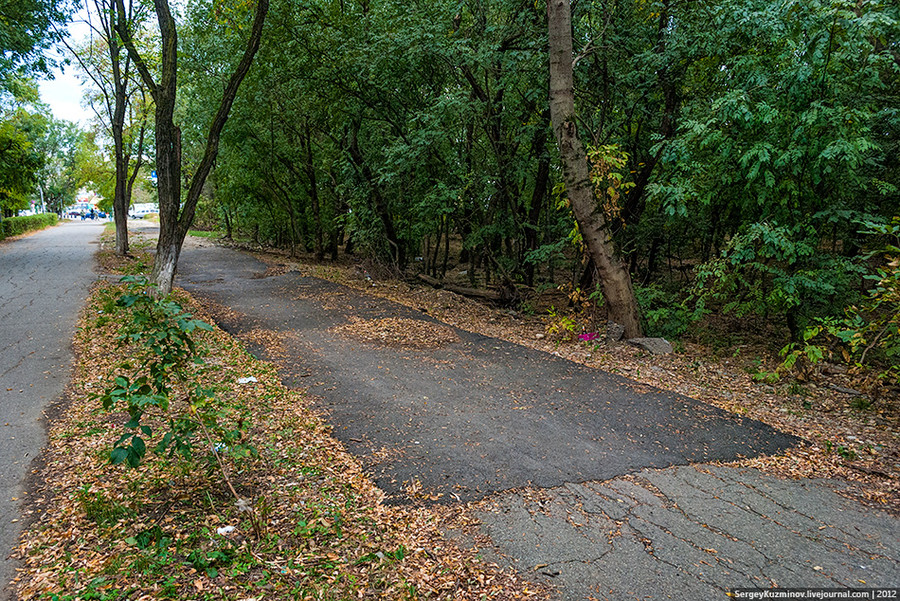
x,y
205,233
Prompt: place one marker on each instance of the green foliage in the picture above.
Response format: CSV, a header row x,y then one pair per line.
x,y
761,129
664,313
842,450
769,269
210,562
868,333
561,326
26,31
608,165
13,226
20,159
163,335
61,174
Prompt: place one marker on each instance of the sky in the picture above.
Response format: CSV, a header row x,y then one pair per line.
x,y
63,92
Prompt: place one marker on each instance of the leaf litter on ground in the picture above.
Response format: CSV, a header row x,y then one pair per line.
x,y
329,534
169,529
844,439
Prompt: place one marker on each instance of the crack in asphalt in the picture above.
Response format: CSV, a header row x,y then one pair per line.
x,y
647,514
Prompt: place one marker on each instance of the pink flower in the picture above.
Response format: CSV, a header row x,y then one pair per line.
x,y
588,336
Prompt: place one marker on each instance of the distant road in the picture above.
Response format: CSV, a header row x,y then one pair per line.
x,y
44,279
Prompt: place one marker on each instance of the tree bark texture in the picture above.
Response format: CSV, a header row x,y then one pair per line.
x,y
615,281
120,100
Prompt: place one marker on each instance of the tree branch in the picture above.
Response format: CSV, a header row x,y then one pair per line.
x,y
128,41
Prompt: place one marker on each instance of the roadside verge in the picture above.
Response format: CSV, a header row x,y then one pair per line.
x,y
171,529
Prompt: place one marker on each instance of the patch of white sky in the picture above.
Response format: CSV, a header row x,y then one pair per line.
x,y
64,93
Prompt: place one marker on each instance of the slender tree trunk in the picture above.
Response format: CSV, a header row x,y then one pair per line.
x,y
397,247
120,196
120,104
174,217
615,280
313,194
436,250
227,216
446,247
532,227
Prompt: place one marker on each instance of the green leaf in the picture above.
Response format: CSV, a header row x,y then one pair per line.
x,y
118,455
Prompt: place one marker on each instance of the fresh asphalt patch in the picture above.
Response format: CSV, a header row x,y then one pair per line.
x,y
463,419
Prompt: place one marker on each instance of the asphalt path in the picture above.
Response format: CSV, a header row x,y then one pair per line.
x,y
472,417
44,280
591,483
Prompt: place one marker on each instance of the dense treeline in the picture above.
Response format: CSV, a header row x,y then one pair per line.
x,y
750,142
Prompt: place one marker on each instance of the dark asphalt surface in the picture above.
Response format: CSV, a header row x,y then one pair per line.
x,y
474,417
44,279
618,515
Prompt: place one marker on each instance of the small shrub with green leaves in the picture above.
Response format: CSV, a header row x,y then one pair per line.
x,y
774,270
867,336
162,333
664,315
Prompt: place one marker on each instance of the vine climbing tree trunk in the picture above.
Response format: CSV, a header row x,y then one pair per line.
x,y
615,281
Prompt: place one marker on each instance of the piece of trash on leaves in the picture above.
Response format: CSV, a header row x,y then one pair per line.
x,y
248,380
224,530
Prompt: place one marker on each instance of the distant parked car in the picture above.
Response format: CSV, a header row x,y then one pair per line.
x,y
141,210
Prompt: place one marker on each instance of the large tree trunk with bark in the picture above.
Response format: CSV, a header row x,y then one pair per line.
x,y
120,196
615,281
176,218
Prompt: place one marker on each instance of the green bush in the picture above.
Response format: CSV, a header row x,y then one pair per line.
x,y
13,226
867,335
664,314
773,270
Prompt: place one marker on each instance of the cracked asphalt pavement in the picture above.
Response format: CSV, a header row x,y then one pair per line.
x,y
594,484
44,280
691,532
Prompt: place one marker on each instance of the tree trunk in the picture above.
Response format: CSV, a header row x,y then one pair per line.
x,y
397,247
175,218
309,165
532,227
120,200
168,250
615,281
227,216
